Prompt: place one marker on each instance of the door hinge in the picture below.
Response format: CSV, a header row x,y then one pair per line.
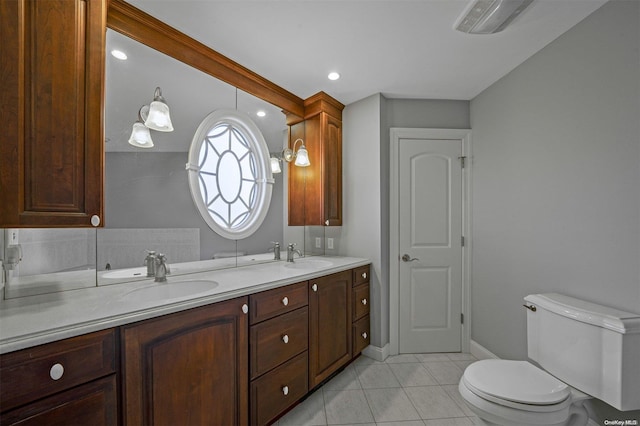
x,y
462,240
461,318
463,161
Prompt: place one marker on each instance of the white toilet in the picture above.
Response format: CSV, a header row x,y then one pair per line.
x,y
586,351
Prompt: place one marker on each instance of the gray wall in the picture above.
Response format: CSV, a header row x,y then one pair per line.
x,y
556,189
365,230
150,190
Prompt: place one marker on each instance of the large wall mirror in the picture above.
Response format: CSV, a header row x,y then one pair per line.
x,y
147,198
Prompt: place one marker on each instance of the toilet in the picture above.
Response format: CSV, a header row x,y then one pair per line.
x,y
581,350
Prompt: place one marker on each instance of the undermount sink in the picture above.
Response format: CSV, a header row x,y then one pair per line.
x,y
170,290
307,263
128,273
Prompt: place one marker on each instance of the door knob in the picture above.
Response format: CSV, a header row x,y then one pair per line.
x,y
407,258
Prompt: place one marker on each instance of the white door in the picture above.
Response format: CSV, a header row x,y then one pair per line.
x,y
430,245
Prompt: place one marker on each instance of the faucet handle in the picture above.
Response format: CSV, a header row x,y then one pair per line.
x,y
291,246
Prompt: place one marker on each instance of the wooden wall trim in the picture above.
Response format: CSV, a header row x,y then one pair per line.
x,y
140,26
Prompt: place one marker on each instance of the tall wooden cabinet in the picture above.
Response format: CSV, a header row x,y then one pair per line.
x,y
315,192
51,102
188,368
330,325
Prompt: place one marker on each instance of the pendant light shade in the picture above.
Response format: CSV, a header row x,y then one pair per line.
x,y
140,136
158,117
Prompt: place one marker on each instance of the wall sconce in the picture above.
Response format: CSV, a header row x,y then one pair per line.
x,y
154,116
301,156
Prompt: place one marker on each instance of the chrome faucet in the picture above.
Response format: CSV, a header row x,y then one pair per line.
x,y
150,263
161,268
291,250
276,250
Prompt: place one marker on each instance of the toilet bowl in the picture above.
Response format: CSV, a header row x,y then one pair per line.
x,y
503,392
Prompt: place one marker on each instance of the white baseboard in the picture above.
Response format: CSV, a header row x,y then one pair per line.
x,y
377,353
480,351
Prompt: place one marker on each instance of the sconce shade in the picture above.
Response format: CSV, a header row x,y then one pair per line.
x,y
302,157
158,117
275,165
140,136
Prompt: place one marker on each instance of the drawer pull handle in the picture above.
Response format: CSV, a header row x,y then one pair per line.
x,y
285,338
364,302
364,335
56,372
314,287
285,390
364,275
285,301
245,309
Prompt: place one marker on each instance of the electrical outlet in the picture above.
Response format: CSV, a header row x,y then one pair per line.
x,y
318,242
330,243
13,236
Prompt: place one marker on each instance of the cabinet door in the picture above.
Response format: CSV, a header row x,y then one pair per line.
x,y
188,368
51,92
94,403
331,129
329,325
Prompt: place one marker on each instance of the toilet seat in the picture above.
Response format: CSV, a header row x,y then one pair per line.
x,y
516,384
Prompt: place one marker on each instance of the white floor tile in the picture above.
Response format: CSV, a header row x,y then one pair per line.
x,y
432,357
347,379
414,374
402,358
461,356
375,376
452,391
390,405
445,372
347,406
310,412
459,421
432,402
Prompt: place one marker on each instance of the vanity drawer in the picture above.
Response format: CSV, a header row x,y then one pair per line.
x,y
278,339
30,374
360,301
271,303
361,335
361,275
277,390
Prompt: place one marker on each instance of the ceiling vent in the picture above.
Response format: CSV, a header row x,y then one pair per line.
x,y
489,16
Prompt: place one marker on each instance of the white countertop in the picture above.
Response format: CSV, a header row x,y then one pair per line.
x,y
34,320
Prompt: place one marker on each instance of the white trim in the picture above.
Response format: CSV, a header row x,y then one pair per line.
x,y
377,353
480,352
394,294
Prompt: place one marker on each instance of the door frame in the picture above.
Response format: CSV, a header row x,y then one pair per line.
x,y
397,133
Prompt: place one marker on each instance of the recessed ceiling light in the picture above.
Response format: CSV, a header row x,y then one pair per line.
x,y
261,113
333,76
118,54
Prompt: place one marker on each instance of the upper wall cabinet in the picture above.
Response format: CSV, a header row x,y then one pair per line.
x,y
315,192
51,94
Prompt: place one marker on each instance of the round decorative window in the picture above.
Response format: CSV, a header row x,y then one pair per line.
x,y
229,174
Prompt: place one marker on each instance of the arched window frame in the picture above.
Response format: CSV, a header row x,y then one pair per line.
x,y
249,131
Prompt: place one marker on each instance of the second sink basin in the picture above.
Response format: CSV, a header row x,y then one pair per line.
x,y
170,290
308,263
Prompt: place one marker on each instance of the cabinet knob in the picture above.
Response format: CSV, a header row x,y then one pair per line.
x,y
245,309
56,372
285,338
95,220
285,301
314,287
364,275
285,390
364,335
364,301
326,222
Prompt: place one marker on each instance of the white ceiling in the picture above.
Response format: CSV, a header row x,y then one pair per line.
x,y
402,49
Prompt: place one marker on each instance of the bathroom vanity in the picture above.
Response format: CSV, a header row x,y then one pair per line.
x,y
244,351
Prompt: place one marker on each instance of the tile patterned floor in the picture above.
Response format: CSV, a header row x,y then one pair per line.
x,y
404,390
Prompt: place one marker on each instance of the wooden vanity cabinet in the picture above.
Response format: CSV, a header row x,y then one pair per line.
x,y
330,325
51,101
315,192
361,308
72,381
279,338
189,367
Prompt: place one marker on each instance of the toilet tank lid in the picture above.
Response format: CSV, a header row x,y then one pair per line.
x,y
587,312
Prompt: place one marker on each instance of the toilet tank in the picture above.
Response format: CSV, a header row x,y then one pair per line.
x,y
590,347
